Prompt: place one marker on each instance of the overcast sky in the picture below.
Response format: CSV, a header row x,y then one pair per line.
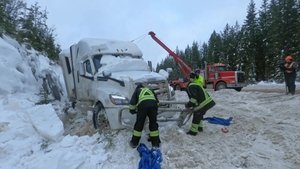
x,y
177,23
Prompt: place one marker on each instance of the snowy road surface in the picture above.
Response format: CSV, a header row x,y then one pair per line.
x,y
265,134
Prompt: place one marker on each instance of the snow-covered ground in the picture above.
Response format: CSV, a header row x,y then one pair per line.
x,y
264,133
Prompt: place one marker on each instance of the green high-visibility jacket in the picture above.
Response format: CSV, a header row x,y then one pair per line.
x,y
199,97
200,80
140,95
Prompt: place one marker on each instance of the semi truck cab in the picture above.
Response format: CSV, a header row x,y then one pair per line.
x,y
103,74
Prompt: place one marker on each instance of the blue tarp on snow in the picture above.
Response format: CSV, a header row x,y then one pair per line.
x,y
218,120
150,159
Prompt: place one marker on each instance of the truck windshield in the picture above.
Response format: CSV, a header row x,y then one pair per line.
x,y
116,63
222,68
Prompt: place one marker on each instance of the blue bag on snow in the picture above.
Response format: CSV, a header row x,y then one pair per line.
x,y
145,156
150,159
218,120
156,158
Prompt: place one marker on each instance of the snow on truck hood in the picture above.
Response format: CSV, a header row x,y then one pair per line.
x,y
135,69
138,76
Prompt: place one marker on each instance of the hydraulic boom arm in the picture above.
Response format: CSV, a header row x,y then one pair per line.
x,y
184,68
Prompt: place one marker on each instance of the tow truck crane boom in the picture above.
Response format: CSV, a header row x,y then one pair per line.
x,y
184,68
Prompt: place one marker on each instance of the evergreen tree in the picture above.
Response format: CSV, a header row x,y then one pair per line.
x,y
230,46
195,60
238,55
187,55
263,47
214,48
249,42
36,32
203,55
3,15
51,48
10,11
274,46
256,46
283,33
290,28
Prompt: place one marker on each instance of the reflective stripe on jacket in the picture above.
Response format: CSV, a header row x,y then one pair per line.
x,y
145,94
140,95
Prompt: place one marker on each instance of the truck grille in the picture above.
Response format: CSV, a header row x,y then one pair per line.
x,y
241,77
161,88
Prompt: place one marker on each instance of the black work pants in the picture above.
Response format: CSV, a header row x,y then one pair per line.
x,y
143,112
151,113
198,116
290,82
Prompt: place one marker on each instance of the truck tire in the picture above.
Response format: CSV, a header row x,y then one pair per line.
x,y
220,85
238,89
99,118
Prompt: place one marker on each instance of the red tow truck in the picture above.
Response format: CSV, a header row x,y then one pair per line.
x,y
216,75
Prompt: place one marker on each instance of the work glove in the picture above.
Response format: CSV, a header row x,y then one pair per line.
x,y
188,110
132,111
187,106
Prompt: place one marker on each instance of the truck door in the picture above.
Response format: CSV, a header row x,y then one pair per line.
x,y
85,79
67,67
211,73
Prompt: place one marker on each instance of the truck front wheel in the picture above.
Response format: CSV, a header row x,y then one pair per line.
x,y
220,85
238,89
99,118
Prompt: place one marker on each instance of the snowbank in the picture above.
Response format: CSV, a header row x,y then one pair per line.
x,y
13,65
46,122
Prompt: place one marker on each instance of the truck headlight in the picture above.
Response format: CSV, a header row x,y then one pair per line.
x,y
118,100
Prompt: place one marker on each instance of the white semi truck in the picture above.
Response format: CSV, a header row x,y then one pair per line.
x,y
104,73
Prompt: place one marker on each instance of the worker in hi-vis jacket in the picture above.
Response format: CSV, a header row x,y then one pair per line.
x,y
144,103
199,103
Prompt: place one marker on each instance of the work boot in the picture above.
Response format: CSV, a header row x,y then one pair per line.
x,y
155,141
200,127
150,139
155,145
191,133
133,144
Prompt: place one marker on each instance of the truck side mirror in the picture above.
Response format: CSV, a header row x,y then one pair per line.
x,y
106,73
